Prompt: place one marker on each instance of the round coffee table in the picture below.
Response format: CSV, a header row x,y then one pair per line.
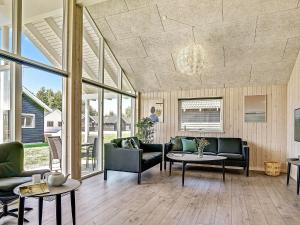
x,y
186,158
69,187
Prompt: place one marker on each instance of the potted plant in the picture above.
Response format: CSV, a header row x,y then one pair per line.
x,y
145,130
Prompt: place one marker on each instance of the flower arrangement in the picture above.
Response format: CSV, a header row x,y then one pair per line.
x,y
201,144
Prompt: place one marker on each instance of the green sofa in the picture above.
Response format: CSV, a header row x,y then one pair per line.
x,y
131,160
12,174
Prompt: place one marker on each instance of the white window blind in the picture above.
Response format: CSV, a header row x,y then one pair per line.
x,y
204,114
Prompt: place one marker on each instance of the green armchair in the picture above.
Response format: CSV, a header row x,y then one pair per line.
x,y
12,174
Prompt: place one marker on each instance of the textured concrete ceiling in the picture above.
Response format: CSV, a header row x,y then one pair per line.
x,y
245,42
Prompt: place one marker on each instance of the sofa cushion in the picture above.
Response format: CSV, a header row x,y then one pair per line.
x,y
189,145
118,141
231,155
230,145
126,144
148,156
8,184
176,144
134,143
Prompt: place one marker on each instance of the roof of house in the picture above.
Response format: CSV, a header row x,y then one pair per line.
x,y
36,99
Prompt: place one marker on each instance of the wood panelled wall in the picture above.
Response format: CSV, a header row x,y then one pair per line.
x,y
293,102
267,141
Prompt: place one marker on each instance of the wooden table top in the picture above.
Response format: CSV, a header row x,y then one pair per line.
x,y
70,185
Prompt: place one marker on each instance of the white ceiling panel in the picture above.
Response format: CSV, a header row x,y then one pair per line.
x,y
244,42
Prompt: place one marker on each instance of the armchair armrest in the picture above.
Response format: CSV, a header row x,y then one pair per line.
x,y
120,159
167,148
245,152
29,173
152,147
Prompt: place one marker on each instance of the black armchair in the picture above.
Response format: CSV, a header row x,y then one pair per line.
x,y
12,174
131,160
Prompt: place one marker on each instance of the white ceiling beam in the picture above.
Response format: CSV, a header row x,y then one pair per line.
x,y
46,49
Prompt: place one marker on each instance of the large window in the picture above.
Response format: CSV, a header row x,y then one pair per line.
x,y
42,31
127,116
90,130
5,101
201,114
110,116
5,25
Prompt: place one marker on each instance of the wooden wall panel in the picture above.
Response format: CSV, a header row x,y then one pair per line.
x,y
293,102
267,141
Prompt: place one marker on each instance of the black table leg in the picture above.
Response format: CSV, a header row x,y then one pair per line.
x,y
170,168
298,179
223,167
21,210
40,210
58,209
288,173
73,206
183,172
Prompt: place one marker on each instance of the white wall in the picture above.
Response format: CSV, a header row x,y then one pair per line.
x,y
267,141
293,102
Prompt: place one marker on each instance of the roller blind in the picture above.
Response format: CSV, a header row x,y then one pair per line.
x,y
205,114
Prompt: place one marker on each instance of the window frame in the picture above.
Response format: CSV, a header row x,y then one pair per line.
x,y
204,130
50,121
23,125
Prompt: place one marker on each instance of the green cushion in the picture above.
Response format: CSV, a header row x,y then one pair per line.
x,y
176,144
189,145
8,184
126,144
11,159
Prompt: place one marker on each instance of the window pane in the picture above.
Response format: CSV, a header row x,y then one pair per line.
x,y
42,109
90,51
41,38
127,116
5,25
5,101
110,119
126,86
111,69
201,114
90,153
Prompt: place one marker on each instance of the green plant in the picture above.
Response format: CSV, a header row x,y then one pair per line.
x,y
145,130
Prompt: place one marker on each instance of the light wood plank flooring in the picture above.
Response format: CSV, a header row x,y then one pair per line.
x,y
205,200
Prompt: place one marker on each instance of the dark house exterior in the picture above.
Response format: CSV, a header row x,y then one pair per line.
x,y
32,118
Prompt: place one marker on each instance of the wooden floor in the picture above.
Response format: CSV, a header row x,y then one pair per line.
x,y
205,199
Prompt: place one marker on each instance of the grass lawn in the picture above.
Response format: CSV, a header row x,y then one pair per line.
x,y
37,154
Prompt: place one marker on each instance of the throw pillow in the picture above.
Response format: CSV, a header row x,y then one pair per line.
x,y
134,144
189,145
126,144
176,144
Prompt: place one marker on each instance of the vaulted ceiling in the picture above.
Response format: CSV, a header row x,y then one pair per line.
x,y
244,42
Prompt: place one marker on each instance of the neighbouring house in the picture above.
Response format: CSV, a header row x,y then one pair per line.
x,y
32,118
111,123
52,122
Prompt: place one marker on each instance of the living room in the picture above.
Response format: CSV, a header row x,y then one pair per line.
x,y
150,112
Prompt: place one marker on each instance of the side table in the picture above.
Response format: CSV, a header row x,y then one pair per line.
x,y
296,162
69,187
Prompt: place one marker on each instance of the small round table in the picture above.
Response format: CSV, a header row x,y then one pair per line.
x,y
69,187
186,158
296,162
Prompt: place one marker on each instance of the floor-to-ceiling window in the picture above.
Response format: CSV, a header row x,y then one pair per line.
x,y
107,98
32,90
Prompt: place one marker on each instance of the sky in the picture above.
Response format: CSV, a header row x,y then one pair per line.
x,y
33,79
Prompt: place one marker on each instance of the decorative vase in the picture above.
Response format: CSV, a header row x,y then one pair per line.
x,y
200,152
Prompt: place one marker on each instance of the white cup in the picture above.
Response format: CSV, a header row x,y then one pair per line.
x,y
36,178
